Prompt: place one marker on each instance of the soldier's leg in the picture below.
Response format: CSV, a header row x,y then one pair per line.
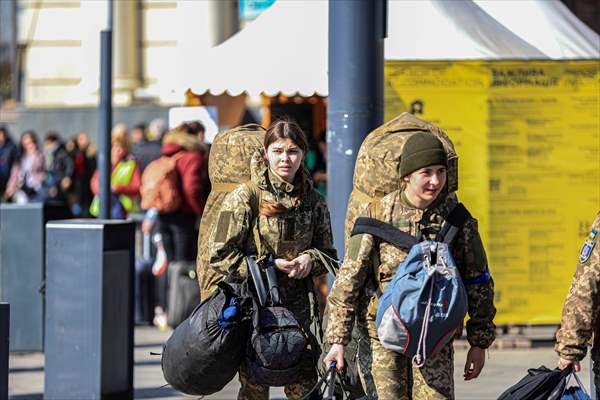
x,y
435,380
307,378
391,373
251,391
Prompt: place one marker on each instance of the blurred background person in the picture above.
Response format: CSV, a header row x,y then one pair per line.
x,y
125,179
59,170
84,161
27,173
8,154
144,150
177,227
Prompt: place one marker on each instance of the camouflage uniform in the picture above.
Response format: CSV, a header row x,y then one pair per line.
x,y
286,236
369,258
582,305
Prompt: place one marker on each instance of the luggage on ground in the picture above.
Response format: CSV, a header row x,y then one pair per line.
x,y
184,294
205,351
144,284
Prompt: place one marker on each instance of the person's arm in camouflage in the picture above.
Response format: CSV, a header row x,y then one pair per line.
x,y
229,237
343,297
581,306
322,238
472,261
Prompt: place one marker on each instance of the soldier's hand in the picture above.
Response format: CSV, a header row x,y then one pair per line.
x,y
302,267
336,353
284,265
475,362
564,363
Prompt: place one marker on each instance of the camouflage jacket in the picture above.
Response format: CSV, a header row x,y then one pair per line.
x,y
580,312
287,235
370,258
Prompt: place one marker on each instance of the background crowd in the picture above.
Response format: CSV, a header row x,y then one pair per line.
x,y
63,173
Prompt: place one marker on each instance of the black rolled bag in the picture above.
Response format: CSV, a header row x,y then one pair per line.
x,y
205,351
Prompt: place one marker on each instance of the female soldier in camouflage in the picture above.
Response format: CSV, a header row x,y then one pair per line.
x,y
419,208
292,221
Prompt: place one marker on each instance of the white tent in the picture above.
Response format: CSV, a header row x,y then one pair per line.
x,y
285,50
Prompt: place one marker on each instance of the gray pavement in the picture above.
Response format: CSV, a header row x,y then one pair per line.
x,y
504,367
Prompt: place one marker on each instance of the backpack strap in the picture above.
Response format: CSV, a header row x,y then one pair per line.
x,y
384,231
457,217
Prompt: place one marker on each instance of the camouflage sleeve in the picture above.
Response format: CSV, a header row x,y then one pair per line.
x,y
581,306
472,262
322,237
229,237
343,297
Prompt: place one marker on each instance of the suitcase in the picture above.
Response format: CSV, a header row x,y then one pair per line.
x,y
144,285
184,292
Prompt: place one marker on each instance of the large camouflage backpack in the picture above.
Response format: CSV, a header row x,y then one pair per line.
x,y
377,173
228,167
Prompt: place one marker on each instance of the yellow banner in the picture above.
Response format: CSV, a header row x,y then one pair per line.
x,y
528,138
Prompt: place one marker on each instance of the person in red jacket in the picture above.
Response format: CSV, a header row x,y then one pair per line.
x,y
178,229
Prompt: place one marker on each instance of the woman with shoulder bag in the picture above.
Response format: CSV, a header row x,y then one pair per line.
x,y
292,224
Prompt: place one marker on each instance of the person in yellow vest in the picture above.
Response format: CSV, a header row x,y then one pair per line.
x,y
125,180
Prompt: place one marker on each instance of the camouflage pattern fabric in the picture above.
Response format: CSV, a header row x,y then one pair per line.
x,y
228,167
582,305
367,256
303,227
376,174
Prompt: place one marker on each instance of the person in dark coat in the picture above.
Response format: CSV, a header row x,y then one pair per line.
x,y
59,169
8,155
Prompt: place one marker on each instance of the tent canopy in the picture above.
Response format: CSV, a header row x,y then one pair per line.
x,y
285,50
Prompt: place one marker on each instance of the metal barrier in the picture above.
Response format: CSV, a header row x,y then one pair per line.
x,y
89,309
4,349
22,270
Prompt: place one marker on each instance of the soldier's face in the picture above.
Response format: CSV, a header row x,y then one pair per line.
x,y
424,185
284,158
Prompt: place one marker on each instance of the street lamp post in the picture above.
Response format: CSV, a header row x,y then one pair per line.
x,y
355,104
105,115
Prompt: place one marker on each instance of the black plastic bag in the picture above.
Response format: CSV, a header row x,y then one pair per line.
x,y
206,350
539,384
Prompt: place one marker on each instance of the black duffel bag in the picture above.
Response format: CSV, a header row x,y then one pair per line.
x,y
205,351
277,342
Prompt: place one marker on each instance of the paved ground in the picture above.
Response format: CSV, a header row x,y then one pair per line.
x,y
503,368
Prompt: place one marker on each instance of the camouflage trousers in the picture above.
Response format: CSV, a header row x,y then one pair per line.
x,y
307,379
396,379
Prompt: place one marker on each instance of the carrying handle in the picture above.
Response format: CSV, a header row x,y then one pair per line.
x,y
273,289
259,284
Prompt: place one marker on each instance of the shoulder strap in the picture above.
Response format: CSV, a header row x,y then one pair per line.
x,y
384,231
457,217
255,197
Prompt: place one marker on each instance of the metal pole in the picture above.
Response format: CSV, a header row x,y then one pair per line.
x,y
105,115
14,66
355,105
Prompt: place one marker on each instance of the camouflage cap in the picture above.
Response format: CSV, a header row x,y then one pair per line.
x,y
422,150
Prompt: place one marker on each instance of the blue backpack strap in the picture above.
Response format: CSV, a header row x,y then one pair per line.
x,y
384,231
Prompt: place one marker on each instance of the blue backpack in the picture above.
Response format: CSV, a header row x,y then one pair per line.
x,y
426,302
